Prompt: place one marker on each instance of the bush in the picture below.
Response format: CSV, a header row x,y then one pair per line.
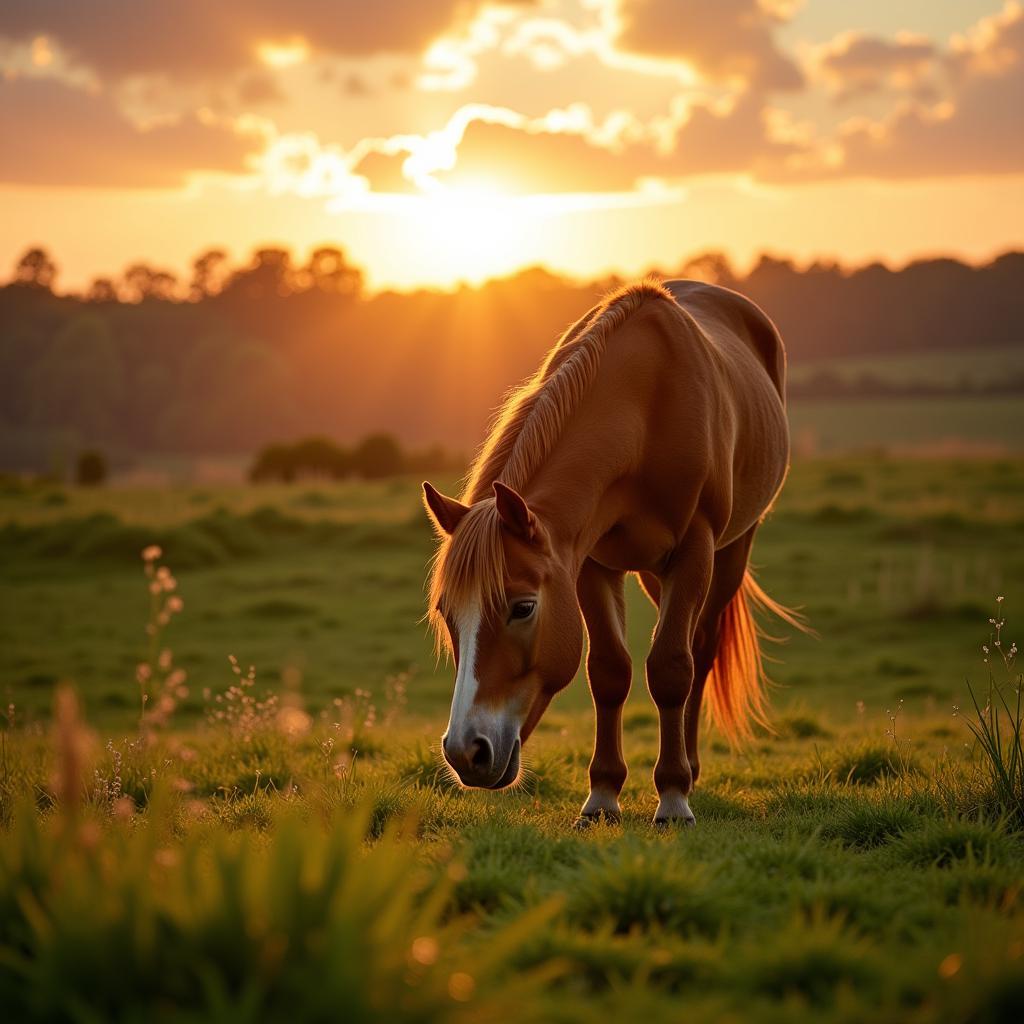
x,y
374,458
91,469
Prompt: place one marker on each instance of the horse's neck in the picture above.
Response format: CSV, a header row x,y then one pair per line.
x,y
569,490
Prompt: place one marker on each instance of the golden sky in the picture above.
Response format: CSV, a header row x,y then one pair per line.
x,y
447,140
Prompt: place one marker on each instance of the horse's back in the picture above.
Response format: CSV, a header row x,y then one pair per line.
x,y
725,316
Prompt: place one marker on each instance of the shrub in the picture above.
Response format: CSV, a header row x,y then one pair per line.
x,y
91,469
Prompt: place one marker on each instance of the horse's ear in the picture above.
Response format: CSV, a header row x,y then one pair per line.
x,y
514,512
446,513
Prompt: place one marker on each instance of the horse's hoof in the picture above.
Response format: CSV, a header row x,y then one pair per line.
x,y
673,809
682,822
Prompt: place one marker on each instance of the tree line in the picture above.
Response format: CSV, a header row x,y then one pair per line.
x,y
375,457
229,359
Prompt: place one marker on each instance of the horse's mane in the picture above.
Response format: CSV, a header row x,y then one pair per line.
x,y
471,564
531,418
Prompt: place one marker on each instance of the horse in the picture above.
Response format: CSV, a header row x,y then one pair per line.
x,y
652,440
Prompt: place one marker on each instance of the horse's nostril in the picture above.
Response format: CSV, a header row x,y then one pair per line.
x,y
481,756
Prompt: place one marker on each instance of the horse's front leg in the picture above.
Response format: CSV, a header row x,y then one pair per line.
x,y
609,672
670,667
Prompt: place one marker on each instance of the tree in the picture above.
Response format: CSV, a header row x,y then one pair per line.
x,y
91,469
268,276
329,271
35,269
376,456
79,382
209,274
143,282
101,290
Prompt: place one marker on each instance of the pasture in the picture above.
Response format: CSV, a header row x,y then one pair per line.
x,y
288,844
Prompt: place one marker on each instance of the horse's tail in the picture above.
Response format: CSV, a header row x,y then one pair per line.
x,y
737,686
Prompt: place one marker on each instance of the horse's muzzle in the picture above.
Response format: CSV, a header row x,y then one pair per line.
x,y
479,765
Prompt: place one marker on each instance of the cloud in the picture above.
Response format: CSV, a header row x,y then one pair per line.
x,y
259,88
525,160
737,140
484,149
855,63
57,135
194,39
383,172
977,131
727,39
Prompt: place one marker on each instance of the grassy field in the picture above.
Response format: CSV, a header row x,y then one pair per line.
x,y
288,845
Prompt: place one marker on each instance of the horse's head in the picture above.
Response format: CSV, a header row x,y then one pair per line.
x,y
506,607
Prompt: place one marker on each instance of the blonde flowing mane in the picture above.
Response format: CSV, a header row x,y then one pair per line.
x,y
471,566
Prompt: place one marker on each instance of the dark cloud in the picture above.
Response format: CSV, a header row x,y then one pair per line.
x,y
855,63
356,85
259,88
58,135
725,143
197,39
977,132
724,39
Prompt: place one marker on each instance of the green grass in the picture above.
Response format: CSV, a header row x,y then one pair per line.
x,y
895,563
303,856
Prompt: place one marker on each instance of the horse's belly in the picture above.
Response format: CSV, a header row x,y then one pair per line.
x,y
634,546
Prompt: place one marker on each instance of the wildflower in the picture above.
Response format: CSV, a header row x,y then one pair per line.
x,y
950,965
143,672
460,986
123,808
151,553
174,604
424,950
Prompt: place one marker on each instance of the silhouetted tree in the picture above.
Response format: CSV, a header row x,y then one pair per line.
x,y
376,456
35,269
267,276
101,290
330,272
209,273
142,282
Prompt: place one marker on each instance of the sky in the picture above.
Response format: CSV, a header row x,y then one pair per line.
x,y
441,141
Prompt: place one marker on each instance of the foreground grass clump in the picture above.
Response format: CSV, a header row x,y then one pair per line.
x,y
124,921
363,888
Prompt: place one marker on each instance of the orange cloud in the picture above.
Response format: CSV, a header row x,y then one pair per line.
x,y
63,136
193,39
855,63
726,39
978,131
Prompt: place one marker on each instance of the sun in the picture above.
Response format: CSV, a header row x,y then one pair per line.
x,y
481,230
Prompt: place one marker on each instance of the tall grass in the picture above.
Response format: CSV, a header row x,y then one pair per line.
x,y
998,724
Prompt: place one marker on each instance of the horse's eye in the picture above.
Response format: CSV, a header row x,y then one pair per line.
x,y
522,610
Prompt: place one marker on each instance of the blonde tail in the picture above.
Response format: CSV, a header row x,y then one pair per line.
x,y
736,693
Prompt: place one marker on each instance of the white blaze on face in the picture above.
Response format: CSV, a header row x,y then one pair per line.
x,y
466,684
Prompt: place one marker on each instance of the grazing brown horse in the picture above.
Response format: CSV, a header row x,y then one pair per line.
x,y
652,440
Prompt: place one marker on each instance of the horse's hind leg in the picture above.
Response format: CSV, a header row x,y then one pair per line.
x,y
609,672
729,566
670,666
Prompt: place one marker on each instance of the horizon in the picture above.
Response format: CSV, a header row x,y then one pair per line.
x,y
457,143
178,293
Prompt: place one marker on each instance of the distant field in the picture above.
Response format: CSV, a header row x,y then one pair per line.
x,y
303,858
924,426
896,563
977,367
